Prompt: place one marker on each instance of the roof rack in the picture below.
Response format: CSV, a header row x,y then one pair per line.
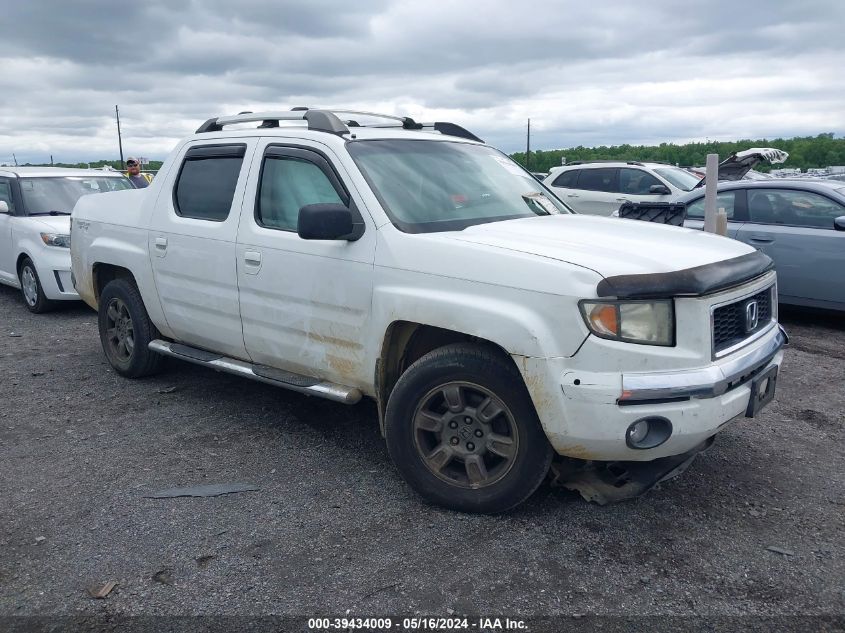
x,y
604,160
329,121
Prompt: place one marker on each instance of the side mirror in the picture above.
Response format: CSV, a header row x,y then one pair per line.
x,y
324,222
4,206
838,223
661,190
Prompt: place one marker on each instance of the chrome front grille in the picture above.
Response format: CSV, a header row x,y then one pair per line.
x,y
739,320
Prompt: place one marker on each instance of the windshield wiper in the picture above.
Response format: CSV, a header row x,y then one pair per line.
x,y
50,213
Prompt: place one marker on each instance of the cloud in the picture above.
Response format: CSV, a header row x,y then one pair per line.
x,y
585,73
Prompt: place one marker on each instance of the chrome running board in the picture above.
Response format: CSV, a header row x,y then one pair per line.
x,y
261,373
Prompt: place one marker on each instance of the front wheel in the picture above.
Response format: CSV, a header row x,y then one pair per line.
x,y
126,330
461,428
33,293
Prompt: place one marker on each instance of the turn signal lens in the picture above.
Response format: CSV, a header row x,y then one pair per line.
x,y
605,319
644,322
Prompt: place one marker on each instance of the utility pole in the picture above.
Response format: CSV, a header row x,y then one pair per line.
x,y
15,159
119,140
528,147
51,160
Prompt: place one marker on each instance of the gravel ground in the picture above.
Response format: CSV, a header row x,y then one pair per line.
x,y
333,527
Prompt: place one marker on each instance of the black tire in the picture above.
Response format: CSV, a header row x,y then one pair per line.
x,y
126,330
422,428
31,290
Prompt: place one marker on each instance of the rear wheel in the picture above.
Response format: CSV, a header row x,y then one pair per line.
x,y
463,431
126,330
33,293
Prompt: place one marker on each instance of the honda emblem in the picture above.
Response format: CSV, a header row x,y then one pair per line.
x,y
752,316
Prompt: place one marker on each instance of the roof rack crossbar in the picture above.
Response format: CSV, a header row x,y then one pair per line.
x,y
320,120
329,121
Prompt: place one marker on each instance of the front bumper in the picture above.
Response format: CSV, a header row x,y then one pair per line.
x,y
707,382
586,414
53,266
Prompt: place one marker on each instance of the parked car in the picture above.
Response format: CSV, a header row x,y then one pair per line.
x,y
430,272
800,224
600,188
35,205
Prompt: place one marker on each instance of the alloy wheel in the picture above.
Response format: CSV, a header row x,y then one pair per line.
x,y
120,334
465,435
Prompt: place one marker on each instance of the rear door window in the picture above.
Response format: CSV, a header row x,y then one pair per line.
x,y
601,179
206,184
567,179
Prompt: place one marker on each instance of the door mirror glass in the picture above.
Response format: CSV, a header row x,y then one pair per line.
x,y
4,206
661,190
326,221
838,223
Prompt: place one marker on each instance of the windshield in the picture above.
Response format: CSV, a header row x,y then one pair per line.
x,y
427,186
58,195
679,178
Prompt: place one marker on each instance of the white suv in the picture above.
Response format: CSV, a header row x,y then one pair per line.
x,y
35,206
600,188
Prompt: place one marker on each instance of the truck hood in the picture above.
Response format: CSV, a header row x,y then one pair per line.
x,y
608,246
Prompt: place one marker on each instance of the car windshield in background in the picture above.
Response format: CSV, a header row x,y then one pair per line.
x,y
429,186
59,194
679,178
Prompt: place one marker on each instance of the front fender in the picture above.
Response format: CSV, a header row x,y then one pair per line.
x,y
522,322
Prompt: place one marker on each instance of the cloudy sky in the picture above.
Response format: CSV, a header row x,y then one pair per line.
x,y
586,73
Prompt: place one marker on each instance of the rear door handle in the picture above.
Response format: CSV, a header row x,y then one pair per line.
x,y
161,246
572,195
252,261
622,200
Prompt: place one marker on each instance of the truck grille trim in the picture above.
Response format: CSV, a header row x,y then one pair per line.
x,y
732,323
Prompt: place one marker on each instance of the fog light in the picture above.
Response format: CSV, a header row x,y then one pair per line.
x,y
648,432
637,431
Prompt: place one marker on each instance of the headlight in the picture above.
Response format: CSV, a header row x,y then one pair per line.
x,y
645,322
56,239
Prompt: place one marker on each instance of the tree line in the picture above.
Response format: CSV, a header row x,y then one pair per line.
x,y
804,152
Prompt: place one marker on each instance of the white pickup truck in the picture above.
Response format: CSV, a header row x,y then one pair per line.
x,y
415,265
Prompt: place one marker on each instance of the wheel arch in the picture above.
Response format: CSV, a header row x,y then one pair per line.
x,y
102,273
405,342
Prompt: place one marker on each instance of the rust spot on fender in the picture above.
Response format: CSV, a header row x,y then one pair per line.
x,y
344,367
332,340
